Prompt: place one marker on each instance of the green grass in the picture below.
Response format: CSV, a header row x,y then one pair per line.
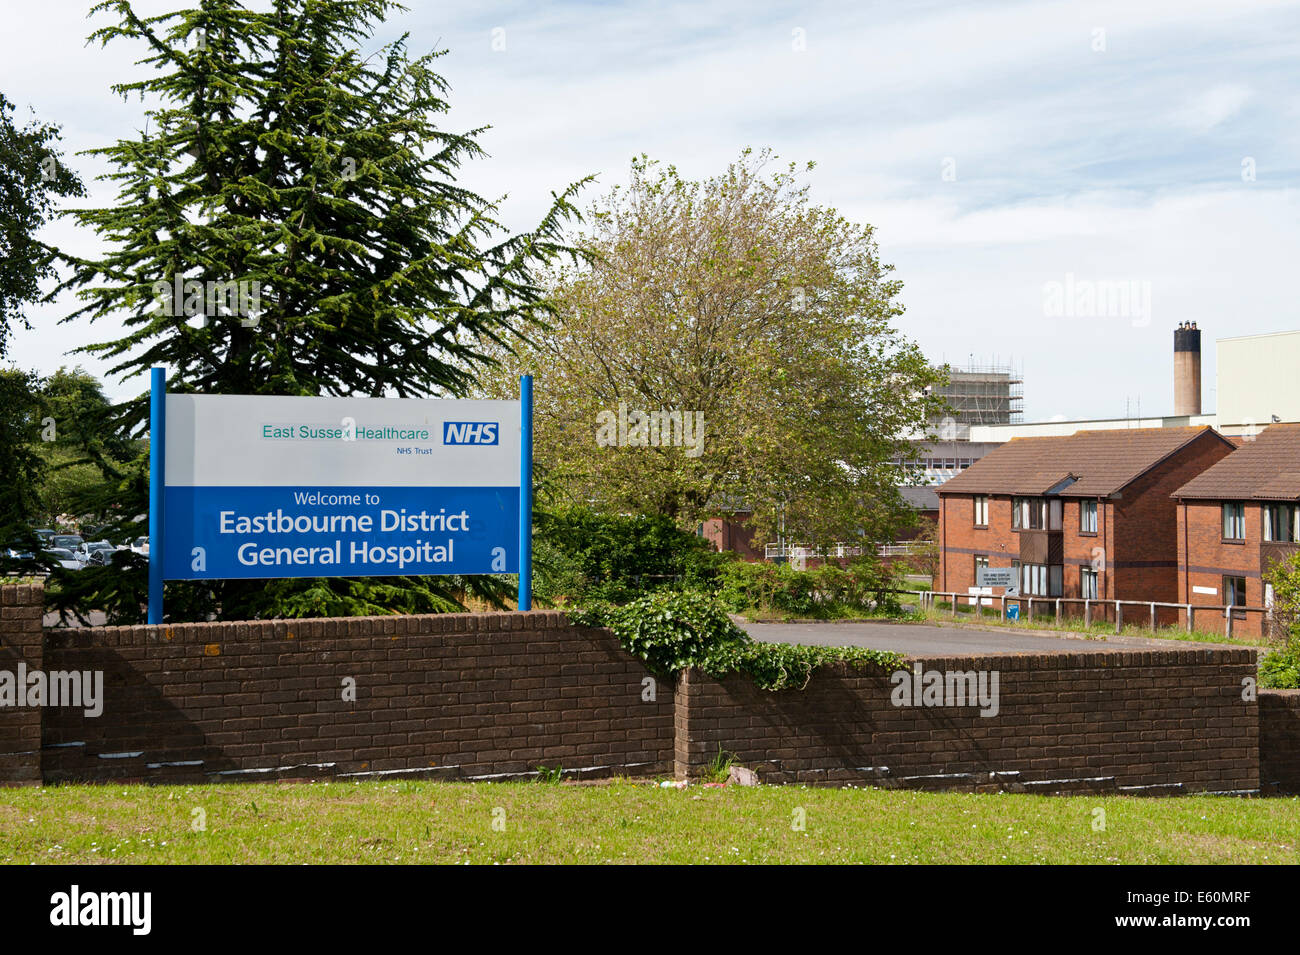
x,y
1099,629
625,822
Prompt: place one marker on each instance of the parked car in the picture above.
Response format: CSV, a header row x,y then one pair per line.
x,y
17,551
107,558
86,550
66,541
44,534
140,546
65,558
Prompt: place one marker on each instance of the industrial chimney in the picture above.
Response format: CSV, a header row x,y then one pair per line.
x,y
1187,369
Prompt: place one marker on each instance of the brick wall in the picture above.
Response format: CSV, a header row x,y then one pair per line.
x,y
21,643
1279,741
464,696
1204,558
1171,720
457,696
960,539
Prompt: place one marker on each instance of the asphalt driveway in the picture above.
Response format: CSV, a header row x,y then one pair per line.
x,y
924,640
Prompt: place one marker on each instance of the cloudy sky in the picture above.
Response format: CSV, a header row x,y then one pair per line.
x,y
1005,151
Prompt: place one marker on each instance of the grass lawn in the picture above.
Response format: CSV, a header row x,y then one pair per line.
x,y
413,822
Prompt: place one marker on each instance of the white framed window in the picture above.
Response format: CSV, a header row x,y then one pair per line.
x,y
1234,521
1088,517
981,511
1088,583
1279,523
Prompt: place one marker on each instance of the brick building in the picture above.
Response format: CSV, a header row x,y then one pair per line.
x,y
1087,515
1234,520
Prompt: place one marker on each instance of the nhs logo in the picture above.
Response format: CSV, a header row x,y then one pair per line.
x,y
469,432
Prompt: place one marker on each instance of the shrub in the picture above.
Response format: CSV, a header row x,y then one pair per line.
x,y
1280,669
829,590
583,556
671,630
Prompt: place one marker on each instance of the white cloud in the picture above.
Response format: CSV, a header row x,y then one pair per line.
x,y
1122,163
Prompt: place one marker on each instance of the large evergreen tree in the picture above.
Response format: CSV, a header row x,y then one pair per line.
x,y
277,154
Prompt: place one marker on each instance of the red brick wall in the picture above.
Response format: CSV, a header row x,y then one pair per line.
x,y
1279,741
960,540
498,695
21,642
1204,558
1168,720
733,536
459,696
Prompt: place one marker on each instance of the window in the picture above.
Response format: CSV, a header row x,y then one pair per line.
x,y
1088,583
1028,513
1088,517
1279,523
1040,580
981,560
1234,522
981,511
1234,591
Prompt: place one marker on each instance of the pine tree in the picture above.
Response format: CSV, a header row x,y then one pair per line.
x,y
280,157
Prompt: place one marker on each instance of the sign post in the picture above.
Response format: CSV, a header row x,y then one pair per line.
x,y
157,481
525,492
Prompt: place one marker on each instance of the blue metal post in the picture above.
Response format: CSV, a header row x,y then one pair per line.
x,y
157,481
525,492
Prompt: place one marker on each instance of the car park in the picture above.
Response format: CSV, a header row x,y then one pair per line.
x,y
66,541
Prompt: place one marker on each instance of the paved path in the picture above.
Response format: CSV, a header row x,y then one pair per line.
x,y
925,640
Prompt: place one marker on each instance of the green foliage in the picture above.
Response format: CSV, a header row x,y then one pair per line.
x,y
20,466
551,775
32,173
768,318
582,555
672,630
719,770
825,592
1280,669
285,149
1284,575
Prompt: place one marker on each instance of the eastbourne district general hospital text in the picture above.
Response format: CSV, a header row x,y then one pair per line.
x,y
418,551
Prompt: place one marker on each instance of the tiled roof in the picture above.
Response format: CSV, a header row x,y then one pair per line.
x,y
1099,462
921,498
1266,467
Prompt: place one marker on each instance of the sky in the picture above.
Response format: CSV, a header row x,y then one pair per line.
x,y
1023,163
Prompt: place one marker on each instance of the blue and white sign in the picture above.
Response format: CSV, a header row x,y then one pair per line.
x,y
348,487
259,487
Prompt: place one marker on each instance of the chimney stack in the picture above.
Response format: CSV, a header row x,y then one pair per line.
x,y
1187,369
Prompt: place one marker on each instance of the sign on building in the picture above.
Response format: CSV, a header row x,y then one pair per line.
x,y
1004,577
260,487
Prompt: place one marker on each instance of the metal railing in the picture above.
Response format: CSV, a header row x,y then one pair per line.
x,y
1108,609
838,549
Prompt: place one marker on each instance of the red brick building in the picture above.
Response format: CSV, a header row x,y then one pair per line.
x,y
1088,515
1236,519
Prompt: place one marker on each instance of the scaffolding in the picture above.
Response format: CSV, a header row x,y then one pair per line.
x,y
984,394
